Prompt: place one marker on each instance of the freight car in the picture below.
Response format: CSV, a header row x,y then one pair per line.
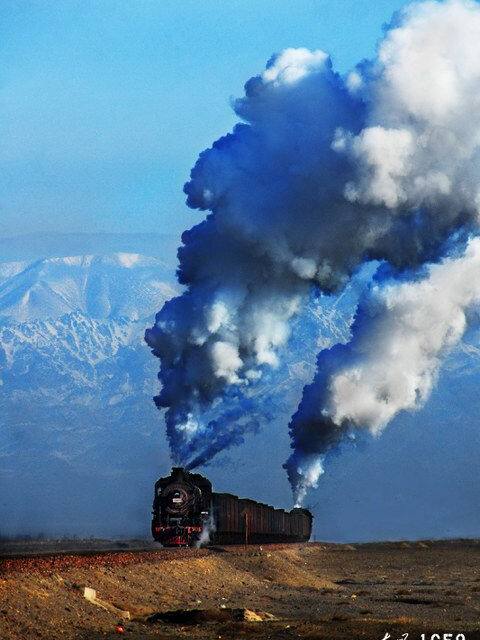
x,y
186,512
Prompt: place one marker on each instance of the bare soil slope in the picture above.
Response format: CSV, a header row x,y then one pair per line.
x,y
314,591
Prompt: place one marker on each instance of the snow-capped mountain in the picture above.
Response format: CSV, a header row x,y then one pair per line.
x,y
65,323
119,285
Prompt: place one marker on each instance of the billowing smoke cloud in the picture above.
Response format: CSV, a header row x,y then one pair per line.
x,y
323,174
401,332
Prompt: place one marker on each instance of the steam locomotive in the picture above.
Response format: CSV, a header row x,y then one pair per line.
x,y
186,512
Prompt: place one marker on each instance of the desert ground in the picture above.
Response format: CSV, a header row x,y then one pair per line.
x,y
311,591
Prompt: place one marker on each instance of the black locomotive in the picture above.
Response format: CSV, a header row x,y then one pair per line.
x,y
186,512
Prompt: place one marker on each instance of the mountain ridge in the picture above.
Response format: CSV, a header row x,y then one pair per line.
x,y
105,286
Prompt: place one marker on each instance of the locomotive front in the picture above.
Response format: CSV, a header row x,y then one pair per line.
x,y
181,508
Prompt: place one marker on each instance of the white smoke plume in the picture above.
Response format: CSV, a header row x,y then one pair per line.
x,y
324,173
208,530
401,333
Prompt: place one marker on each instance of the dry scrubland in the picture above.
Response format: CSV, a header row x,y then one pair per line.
x,y
301,591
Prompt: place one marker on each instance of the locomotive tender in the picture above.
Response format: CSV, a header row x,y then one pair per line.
x,y
187,512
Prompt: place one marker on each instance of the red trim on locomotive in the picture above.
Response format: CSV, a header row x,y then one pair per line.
x,y
176,536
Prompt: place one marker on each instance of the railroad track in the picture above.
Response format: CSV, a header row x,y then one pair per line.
x,y
38,553
53,560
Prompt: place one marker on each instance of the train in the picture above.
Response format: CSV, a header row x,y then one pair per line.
x,y
186,512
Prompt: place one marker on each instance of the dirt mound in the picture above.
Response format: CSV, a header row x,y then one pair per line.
x,y
289,567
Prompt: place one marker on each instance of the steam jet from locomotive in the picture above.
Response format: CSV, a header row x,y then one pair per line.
x,y
186,511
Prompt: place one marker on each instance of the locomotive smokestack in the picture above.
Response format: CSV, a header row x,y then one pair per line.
x,y
324,174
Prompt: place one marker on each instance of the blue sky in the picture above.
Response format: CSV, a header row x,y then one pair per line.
x,y
104,106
